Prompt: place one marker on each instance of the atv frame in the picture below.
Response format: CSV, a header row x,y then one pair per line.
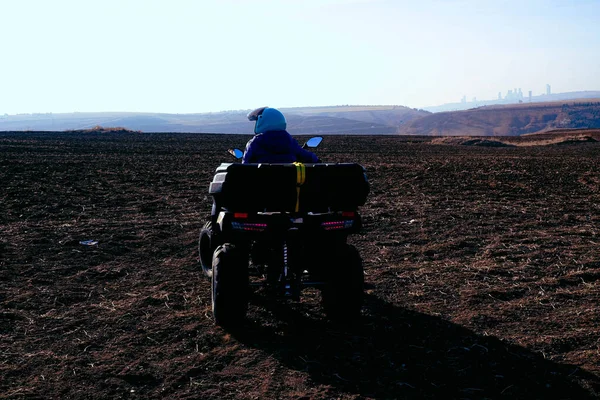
x,y
284,235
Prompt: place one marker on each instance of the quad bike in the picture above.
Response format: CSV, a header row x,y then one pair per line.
x,y
284,227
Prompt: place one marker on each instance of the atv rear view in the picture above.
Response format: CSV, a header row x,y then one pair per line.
x,y
285,227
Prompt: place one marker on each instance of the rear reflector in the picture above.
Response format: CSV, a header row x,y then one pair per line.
x,y
350,214
240,215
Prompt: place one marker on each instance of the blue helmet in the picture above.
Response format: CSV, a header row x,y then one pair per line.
x,y
267,119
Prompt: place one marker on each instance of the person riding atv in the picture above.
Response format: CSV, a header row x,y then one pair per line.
x,y
272,143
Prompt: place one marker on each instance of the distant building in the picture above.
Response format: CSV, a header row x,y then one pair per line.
x,y
548,91
464,99
530,96
499,95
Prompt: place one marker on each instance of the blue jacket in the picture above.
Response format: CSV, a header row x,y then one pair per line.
x,y
276,147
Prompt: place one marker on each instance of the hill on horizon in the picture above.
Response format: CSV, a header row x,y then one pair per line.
x,y
491,120
508,120
301,120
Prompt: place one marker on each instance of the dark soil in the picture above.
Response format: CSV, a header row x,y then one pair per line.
x,y
482,270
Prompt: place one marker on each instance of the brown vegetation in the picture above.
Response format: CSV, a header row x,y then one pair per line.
x,y
555,137
482,272
103,129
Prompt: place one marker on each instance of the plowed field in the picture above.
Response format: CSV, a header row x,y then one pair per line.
x,y
482,271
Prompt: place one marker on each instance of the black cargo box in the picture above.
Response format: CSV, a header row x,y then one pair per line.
x,y
273,187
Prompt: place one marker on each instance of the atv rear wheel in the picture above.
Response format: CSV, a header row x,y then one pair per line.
x,y
342,293
229,285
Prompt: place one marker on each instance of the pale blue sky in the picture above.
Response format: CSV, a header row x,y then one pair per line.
x,y
184,56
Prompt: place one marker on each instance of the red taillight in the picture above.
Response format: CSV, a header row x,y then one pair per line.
x,y
240,215
244,226
349,214
333,225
